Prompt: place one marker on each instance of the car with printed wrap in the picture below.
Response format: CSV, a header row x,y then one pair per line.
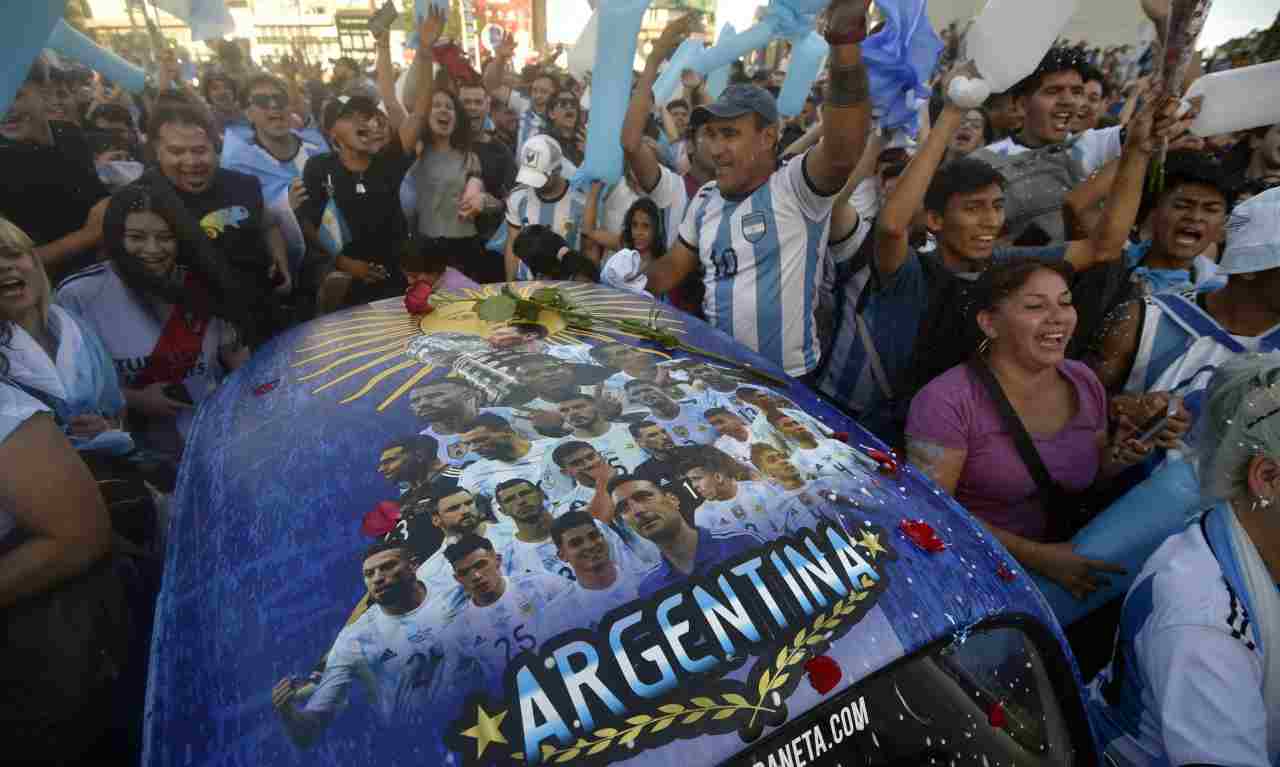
x,y
553,523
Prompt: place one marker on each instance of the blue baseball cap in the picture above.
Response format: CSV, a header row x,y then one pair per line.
x,y
736,101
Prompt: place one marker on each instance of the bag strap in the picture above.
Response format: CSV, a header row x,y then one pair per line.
x,y
1021,439
56,404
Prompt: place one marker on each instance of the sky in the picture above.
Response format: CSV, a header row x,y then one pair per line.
x,y
1235,18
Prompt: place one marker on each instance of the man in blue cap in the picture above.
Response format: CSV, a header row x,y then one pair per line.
x,y
760,232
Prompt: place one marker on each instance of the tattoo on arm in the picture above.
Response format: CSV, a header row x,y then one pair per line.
x,y
925,457
848,85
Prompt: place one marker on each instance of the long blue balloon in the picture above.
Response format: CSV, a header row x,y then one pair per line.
x,y
670,78
24,26
1126,533
718,80
618,29
806,59
67,41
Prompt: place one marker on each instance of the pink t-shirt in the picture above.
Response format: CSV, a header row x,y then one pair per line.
x,y
955,411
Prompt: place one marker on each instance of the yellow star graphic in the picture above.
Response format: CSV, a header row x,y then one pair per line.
x,y
486,730
871,542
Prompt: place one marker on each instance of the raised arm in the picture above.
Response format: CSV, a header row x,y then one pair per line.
x,y
387,83
846,112
640,156
596,238
493,74
669,271
432,25
893,226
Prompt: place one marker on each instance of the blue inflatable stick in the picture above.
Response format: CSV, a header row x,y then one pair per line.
x,y
806,59
208,19
68,42
900,59
1127,533
618,31
718,80
669,80
419,11
26,26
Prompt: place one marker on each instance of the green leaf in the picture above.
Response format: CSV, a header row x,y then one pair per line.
x,y
725,714
763,687
498,308
782,659
672,708
605,732
800,637
735,699
693,717
568,755
630,736
814,640
597,748
640,719
780,680
662,725
550,296
704,702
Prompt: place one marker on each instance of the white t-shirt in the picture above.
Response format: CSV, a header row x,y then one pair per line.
x,y
410,662
16,408
521,619
484,476
542,557
129,331
763,263
616,446
832,457
668,195
594,603
1185,686
437,571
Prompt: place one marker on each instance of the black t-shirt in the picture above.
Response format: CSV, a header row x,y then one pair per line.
x,y
498,171
47,191
231,213
369,202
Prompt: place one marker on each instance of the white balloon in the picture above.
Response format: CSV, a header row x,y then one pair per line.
x,y
968,92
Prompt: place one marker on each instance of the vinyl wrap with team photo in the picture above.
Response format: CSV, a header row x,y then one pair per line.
x,y
537,540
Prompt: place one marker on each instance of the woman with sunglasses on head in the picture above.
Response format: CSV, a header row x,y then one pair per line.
x,y
964,427
1195,677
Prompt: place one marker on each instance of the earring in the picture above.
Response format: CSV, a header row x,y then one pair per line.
x,y
985,346
1261,502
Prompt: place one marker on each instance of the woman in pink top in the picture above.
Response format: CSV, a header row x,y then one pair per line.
x,y
956,435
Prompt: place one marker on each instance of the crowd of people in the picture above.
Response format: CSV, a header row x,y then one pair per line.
x,y
1004,295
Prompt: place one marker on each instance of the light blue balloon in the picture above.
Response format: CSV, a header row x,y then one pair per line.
x,y
419,12
68,42
618,30
806,59
24,26
718,80
669,80
900,59
725,52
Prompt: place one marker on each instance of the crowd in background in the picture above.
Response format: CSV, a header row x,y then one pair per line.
x,y
1005,295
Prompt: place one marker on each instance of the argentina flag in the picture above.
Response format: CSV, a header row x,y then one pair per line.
x,y
334,233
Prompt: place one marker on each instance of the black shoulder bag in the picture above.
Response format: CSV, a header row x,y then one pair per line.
x,y
1067,511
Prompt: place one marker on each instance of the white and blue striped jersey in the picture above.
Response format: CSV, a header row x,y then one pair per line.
x,y
521,619
409,663
1185,685
530,123
563,215
762,258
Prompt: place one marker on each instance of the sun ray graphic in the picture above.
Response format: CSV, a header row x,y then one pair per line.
x,y
382,350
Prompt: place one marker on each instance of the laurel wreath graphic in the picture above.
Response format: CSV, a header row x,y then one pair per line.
x,y
773,678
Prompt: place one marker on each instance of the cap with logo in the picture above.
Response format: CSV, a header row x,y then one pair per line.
x,y
1253,235
736,101
342,106
540,158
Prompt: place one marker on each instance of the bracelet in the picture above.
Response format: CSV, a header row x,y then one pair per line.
x,y
850,37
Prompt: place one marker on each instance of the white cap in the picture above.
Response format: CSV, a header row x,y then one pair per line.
x,y
1253,235
539,159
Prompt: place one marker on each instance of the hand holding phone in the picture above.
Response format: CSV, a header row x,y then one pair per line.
x,y
381,21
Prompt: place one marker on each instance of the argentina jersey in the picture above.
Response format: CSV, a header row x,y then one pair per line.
x,y
562,215
762,258
520,620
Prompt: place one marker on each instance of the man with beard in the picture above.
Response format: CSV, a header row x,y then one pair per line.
x,y
687,551
504,615
818,456
411,463
633,362
401,648
599,583
614,441
231,211
683,417
446,406
531,548
456,512
51,188
654,440
497,159
506,454
542,375
736,437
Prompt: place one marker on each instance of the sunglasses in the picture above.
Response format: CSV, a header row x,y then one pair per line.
x,y
570,103
269,101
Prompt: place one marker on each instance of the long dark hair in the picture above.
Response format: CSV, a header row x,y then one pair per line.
x,y
645,205
153,193
1000,281
460,139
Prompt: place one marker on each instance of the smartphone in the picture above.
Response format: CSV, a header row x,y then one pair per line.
x,y
381,21
1157,423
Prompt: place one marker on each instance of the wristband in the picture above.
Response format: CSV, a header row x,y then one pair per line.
x,y
849,37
